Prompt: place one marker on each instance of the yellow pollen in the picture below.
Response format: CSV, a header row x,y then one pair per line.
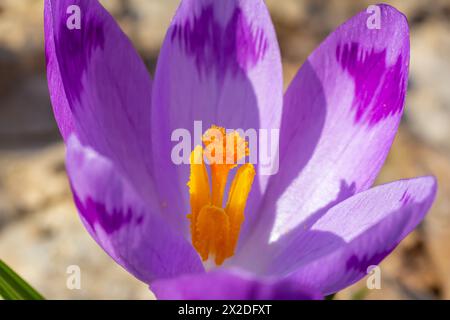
x,y
214,228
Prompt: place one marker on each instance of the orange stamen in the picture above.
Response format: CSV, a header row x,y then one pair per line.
x,y
215,230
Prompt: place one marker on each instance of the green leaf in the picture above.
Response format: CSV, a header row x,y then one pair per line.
x,y
13,287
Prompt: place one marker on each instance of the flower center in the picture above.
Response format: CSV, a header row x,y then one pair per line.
x,y
215,229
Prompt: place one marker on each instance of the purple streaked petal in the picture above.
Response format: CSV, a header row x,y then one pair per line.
x,y
366,228
230,285
100,88
340,116
129,229
219,64
61,109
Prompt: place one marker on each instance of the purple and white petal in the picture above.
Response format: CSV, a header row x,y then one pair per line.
x,y
129,229
340,116
230,285
219,64
99,86
336,250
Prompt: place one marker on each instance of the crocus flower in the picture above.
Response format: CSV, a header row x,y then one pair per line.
x,y
309,230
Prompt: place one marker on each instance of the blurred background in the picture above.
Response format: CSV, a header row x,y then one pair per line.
x,y
40,233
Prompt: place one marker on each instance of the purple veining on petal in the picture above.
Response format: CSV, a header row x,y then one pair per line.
x,y
361,264
75,50
95,213
379,89
406,198
237,46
